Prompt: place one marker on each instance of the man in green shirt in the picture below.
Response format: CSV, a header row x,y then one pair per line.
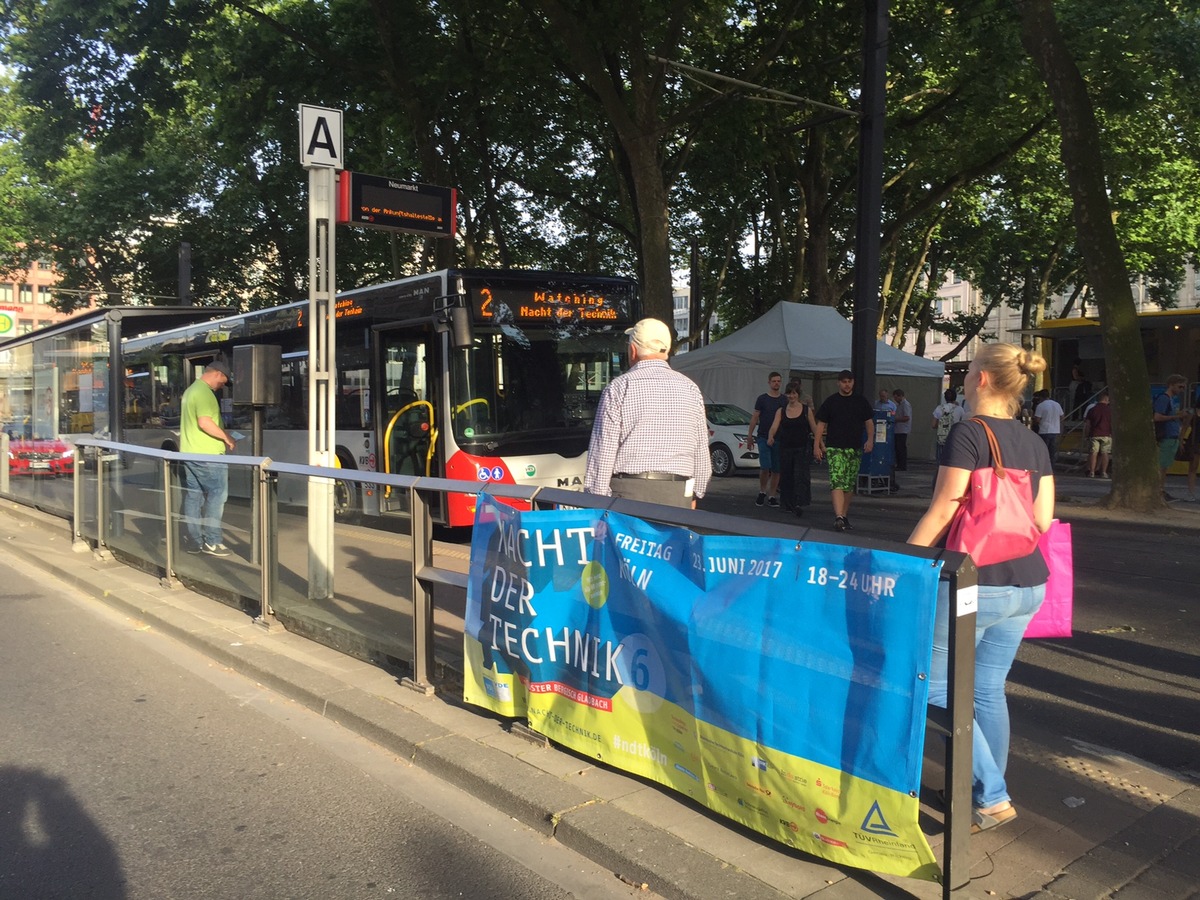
x,y
205,485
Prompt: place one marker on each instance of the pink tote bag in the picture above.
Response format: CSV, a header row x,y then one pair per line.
x,y
1053,619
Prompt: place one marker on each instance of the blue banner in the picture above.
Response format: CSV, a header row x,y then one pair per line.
x,y
781,683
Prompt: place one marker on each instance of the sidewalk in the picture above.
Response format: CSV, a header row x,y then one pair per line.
x,y
1092,824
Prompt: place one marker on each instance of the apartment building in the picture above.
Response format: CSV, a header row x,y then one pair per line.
x,y
25,301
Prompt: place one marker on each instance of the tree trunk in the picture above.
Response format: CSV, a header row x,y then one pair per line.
x,y
1136,482
650,200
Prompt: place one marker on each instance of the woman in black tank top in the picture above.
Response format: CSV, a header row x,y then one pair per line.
x,y
792,431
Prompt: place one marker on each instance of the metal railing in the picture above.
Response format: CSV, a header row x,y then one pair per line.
x,y
127,501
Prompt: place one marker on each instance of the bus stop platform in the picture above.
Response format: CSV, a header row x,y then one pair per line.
x,y
1092,824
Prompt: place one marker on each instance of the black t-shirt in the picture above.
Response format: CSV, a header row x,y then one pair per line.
x,y
844,418
767,406
967,448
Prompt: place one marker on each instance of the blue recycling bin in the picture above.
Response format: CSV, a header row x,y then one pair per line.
x,y
875,471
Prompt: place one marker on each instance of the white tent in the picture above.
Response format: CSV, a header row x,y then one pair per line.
x,y
811,343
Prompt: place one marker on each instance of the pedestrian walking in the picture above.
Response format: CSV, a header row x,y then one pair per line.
x,y
946,415
1168,423
792,432
842,421
765,408
1047,419
1009,591
1097,429
205,484
650,437
903,428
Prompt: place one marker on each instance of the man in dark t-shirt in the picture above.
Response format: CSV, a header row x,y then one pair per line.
x,y
761,421
1097,428
841,422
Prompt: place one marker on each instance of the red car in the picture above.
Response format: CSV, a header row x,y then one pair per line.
x,y
40,457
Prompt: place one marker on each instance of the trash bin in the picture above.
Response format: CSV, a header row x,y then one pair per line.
x,y
875,471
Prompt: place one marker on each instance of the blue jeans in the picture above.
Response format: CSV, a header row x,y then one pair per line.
x,y
205,490
1000,622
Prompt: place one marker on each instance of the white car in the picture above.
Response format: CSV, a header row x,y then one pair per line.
x,y
728,442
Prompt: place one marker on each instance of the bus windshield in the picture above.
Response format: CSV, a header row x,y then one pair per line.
x,y
515,391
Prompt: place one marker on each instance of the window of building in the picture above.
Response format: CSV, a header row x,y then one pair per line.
x,y
956,305
6,293
24,326
27,293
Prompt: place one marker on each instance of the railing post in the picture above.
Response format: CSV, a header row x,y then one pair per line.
x,y
101,530
422,594
4,471
266,547
170,579
960,675
79,543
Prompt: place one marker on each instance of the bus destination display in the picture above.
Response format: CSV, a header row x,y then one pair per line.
x,y
377,202
547,304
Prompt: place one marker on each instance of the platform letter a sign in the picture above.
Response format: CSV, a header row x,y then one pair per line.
x,y
321,140
320,137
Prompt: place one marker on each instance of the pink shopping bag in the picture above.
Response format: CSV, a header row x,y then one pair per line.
x,y
1053,619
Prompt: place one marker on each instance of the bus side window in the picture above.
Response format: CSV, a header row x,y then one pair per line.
x,y
292,411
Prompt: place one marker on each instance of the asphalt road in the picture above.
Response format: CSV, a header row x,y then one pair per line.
x,y
1129,677
131,767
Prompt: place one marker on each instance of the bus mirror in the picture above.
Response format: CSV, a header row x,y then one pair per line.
x,y
461,336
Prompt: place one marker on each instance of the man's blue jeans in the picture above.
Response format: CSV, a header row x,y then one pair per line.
x,y
205,490
1000,623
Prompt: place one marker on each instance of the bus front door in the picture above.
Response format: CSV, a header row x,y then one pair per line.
x,y
408,436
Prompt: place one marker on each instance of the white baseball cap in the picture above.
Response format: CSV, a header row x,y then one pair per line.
x,y
651,335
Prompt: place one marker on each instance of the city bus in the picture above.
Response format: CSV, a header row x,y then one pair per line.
x,y
470,374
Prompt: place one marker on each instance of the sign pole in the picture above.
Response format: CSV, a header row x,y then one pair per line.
x,y
321,154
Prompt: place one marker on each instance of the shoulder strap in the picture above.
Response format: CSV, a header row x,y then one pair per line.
x,y
993,445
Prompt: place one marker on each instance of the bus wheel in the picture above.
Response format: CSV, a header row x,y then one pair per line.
x,y
347,505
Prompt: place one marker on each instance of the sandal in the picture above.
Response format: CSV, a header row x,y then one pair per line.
x,y
981,821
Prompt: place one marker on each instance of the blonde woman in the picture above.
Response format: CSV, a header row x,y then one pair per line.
x,y
1010,591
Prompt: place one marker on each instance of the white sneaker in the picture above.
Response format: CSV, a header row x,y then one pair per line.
x,y
217,550
1190,498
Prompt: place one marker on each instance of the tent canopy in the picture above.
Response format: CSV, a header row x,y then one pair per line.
x,y
799,338
812,343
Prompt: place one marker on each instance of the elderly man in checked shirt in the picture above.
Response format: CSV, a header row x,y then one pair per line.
x,y
650,438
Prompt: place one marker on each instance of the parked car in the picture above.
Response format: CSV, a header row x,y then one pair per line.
x,y
728,441
40,457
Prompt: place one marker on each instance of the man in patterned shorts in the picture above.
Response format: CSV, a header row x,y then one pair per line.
x,y
845,430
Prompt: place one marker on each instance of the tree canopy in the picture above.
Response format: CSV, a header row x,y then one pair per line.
x,y
589,137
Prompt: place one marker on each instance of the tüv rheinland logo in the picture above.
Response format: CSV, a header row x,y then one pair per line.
x,y
875,823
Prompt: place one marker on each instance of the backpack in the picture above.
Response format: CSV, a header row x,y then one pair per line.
x,y
945,421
